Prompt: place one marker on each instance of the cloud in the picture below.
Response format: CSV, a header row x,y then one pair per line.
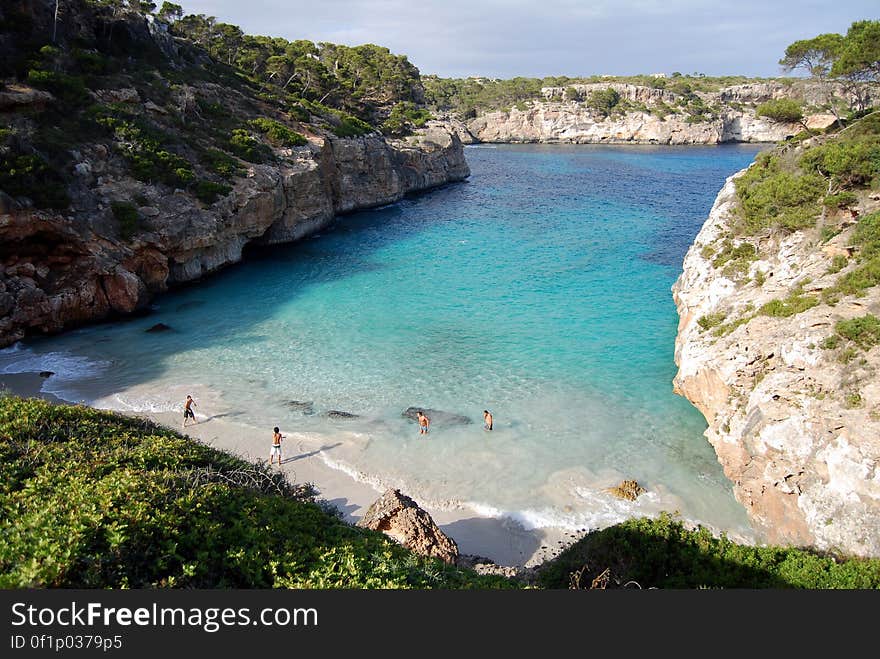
x,y
506,38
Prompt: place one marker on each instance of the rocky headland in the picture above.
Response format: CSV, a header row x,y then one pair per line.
x,y
778,345
646,115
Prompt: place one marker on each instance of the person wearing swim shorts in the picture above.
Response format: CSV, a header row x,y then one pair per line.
x,y
276,445
188,410
487,418
424,422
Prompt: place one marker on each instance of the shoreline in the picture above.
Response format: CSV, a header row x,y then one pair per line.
x,y
501,539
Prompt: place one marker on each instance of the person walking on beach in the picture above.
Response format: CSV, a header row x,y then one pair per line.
x,y
487,418
424,422
276,445
188,410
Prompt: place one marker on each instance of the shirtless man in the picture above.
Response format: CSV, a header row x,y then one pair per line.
x,y
276,445
424,422
188,410
487,418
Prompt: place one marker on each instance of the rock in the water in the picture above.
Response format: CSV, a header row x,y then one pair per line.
x,y
437,416
46,374
304,406
629,490
159,327
338,414
401,518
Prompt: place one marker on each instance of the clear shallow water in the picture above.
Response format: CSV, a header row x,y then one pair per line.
x,y
539,289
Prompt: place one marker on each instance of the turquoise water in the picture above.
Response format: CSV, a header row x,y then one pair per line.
x,y
539,289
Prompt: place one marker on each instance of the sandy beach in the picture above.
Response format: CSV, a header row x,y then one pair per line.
x,y
502,540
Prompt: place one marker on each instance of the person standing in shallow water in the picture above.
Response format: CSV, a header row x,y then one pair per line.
x,y
487,418
424,422
188,410
276,445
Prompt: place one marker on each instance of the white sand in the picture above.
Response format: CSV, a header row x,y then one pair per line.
x,y
503,540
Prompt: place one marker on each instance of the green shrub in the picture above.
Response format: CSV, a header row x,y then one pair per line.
x,y
247,147
404,116
127,216
852,400
69,89
32,177
831,343
662,553
142,145
299,112
838,263
350,126
840,200
735,259
711,320
854,282
772,197
278,133
794,304
864,331
604,101
848,163
784,110
208,192
91,62
867,235
222,163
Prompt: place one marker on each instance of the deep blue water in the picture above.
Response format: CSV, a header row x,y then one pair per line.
x,y
539,289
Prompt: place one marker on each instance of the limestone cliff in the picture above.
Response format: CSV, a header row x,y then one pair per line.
x,y
132,158
655,116
59,270
793,417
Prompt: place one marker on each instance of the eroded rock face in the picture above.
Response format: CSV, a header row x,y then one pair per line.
x,y
401,518
657,116
574,123
804,459
61,270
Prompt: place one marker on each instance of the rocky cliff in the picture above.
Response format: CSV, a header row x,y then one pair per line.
x,y
133,159
770,351
552,122
645,115
62,269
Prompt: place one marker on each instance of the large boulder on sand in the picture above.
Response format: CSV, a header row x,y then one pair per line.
x,y
401,518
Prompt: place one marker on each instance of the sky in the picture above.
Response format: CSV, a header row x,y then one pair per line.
x,y
538,38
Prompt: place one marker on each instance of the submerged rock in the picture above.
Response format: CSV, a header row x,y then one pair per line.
x,y
401,518
192,304
304,406
437,416
158,327
629,490
338,414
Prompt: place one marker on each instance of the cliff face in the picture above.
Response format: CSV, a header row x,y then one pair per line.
x,y
59,270
796,428
646,115
573,123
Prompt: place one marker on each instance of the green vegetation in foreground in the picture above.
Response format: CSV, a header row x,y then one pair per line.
x,y
662,553
90,499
